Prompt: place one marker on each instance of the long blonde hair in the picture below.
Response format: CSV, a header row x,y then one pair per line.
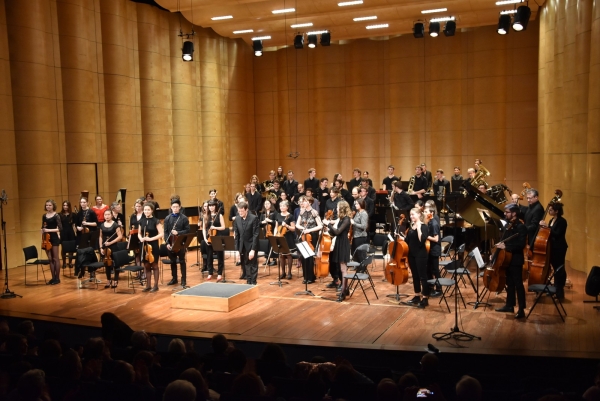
x,y
343,209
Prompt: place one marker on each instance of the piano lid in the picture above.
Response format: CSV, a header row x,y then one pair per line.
x,y
473,200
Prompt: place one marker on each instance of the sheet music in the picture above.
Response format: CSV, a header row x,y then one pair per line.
x,y
478,258
305,250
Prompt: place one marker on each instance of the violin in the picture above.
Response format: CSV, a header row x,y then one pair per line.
x,y
172,238
396,270
46,244
133,231
108,252
147,249
85,230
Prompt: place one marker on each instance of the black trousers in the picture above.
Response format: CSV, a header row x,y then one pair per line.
x,y
173,256
514,283
418,268
557,259
433,268
249,267
308,265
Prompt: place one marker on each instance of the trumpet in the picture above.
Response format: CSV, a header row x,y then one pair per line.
x,y
411,185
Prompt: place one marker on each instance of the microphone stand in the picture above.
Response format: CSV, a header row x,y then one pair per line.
x,y
7,293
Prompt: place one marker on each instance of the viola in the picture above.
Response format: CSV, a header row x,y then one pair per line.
x,y
396,270
46,244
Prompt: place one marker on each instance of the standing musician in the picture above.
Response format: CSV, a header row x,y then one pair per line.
x,y
254,199
282,197
150,198
267,224
134,224
110,234
364,183
202,220
332,205
515,198
360,223
286,220
233,209
300,192
370,209
308,222
311,181
176,224
435,249
150,231
354,182
427,175
213,196
417,257
440,185
322,195
290,186
471,172
558,246
514,272
280,177
67,220
430,204
99,209
310,193
355,196
420,186
276,191
272,178
254,180
85,218
216,222
333,201
401,200
341,251
344,194
457,179
51,224
116,210
365,176
533,215
245,231
387,181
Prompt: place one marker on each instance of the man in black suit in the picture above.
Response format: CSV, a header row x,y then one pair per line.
x,y
533,215
175,224
245,228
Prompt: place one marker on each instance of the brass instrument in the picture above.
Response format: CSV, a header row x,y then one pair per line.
x,y
430,190
526,187
411,185
479,178
444,210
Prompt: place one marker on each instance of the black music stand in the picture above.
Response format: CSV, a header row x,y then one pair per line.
x,y
7,293
280,246
223,243
195,228
182,241
306,252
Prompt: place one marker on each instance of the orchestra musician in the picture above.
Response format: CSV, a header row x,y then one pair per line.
x,y
239,197
254,180
290,186
332,205
420,186
477,163
85,218
457,179
440,184
150,198
150,231
355,181
118,217
471,172
202,220
355,196
522,209
417,257
322,195
514,272
214,221
435,248
267,221
558,246
482,188
365,175
401,200
285,219
134,224
279,176
333,201
371,193
282,197
212,194
311,181
341,251
254,199
67,220
427,175
276,190
369,208
344,194
177,223
110,234
308,222
360,223
533,215
310,193
99,209
245,230
52,224
430,204
391,177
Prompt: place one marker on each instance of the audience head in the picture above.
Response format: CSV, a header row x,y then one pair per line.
x,y
140,340
176,346
70,365
123,373
219,343
180,390
468,389
248,385
273,353
429,362
387,390
195,377
237,361
32,386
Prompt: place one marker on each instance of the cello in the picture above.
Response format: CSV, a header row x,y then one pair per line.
x,y
494,276
323,250
539,260
396,270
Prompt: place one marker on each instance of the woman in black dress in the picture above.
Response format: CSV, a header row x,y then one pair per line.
x,y
110,234
308,222
117,213
67,219
417,257
214,221
558,245
134,225
150,231
212,194
284,219
51,224
341,250
85,220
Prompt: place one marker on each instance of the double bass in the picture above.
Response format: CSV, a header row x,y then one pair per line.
x,y
539,260
323,250
396,270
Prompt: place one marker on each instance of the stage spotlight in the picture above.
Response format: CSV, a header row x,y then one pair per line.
x,y
257,46
187,52
434,29
326,39
504,24
299,41
450,28
521,18
419,30
312,41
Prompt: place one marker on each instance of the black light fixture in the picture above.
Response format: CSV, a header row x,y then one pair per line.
x,y
299,41
187,52
419,30
521,18
312,41
504,24
450,28
326,39
434,29
258,47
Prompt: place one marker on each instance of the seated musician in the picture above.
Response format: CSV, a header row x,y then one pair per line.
x,y
483,188
365,175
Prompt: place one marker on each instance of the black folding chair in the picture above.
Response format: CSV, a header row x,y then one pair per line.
x,y
69,248
361,274
31,258
358,256
121,263
86,257
550,290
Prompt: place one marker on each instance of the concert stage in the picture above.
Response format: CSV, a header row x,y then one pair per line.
x,y
280,316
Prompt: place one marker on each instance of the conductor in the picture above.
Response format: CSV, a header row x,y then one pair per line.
x,y
246,227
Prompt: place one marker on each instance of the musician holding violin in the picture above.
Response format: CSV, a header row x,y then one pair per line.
x,y
213,224
416,237
213,196
514,271
176,224
110,234
67,233
435,249
308,224
134,225
558,245
150,231
341,251
51,227
86,219
285,226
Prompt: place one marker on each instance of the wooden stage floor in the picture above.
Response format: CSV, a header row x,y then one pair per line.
x,y
280,316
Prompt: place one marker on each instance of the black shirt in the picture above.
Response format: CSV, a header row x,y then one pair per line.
x,y
355,182
387,181
438,188
254,201
403,201
420,183
311,183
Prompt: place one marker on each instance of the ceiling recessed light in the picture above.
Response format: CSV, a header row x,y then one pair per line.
x,y
435,10
350,3
222,17
261,38
505,12
243,31
284,10
378,26
365,18
302,25
441,19
503,2
316,32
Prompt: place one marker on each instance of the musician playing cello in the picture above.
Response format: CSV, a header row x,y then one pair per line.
x,y
176,224
514,272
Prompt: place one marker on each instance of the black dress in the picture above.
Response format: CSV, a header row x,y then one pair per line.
x,y
149,228
289,235
417,258
341,250
51,224
67,233
109,234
